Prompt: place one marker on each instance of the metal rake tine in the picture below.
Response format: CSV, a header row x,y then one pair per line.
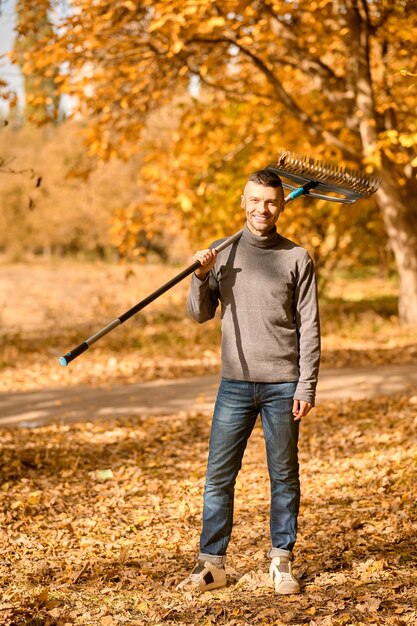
x,y
332,177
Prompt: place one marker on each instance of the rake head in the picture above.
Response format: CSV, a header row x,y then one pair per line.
x,y
350,185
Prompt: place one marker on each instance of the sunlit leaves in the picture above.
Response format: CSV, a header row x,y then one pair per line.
x,y
6,93
124,59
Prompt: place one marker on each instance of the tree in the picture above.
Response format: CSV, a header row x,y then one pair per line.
x,y
202,188
337,72
33,26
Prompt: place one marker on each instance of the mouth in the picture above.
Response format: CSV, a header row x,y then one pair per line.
x,y
261,218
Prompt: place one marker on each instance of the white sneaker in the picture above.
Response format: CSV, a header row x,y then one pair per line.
x,y
204,577
282,577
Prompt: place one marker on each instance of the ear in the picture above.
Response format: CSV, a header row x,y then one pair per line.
x,y
242,201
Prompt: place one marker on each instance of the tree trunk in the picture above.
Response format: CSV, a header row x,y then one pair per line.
x,y
399,215
401,224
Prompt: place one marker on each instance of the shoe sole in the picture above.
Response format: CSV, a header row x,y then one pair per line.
x,y
287,590
201,589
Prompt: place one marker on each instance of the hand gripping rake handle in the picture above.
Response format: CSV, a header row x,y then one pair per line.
x,y
348,184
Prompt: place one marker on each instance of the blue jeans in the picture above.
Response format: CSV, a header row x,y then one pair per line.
x,y
237,407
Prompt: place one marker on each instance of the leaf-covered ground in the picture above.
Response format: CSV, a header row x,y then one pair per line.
x,y
100,521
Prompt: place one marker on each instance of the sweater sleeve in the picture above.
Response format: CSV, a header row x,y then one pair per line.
x,y
308,327
203,298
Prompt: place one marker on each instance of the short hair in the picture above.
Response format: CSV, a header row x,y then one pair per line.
x,y
266,177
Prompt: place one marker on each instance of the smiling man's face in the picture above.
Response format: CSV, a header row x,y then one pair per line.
x,y
262,206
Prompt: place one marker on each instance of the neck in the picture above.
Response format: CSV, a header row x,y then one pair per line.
x,y
267,233
265,240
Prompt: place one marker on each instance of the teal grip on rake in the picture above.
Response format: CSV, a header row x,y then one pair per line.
x,y
295,194
301,191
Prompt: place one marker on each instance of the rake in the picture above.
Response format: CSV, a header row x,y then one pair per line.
x,y
314,178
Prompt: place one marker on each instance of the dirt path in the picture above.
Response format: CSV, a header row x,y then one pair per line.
x,y
163,397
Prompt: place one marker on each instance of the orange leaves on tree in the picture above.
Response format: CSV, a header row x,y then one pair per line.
x,y
328,76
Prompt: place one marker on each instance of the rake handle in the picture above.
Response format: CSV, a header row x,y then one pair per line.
x,y
82,347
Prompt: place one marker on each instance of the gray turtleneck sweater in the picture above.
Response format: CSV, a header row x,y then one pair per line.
x,y
270,321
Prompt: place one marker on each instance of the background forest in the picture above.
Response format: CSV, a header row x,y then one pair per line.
x,y
184,101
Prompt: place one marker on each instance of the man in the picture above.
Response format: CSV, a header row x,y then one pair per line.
x,y
266,287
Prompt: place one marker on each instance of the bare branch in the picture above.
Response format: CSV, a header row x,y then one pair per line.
x,y
312,65
312,127
232,93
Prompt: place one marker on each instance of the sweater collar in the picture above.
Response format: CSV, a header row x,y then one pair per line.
x,y
260,242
